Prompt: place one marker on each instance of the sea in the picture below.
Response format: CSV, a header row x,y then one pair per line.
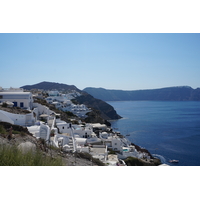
x,y
167,129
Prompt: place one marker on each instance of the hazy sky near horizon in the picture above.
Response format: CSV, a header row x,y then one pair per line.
x,y
127,61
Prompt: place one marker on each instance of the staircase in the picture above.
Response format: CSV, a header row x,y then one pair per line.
x,y
71,143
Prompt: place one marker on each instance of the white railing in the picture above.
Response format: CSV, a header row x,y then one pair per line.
x,y
53,123
73,140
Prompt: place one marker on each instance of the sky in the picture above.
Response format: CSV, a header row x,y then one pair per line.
x,y
126,61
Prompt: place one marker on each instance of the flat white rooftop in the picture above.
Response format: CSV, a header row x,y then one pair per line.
x,y
15,93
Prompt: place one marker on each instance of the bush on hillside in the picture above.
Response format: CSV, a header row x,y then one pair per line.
x,y
5,105
12,156
132,161
2,130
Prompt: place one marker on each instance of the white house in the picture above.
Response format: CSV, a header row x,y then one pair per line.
x,y
64,103
83,132
64,127
53,93
41,109
99,126
19,99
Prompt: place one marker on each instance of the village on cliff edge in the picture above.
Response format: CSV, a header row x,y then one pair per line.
x,y
73,136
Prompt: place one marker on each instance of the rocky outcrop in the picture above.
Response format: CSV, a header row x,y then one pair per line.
x,y
95,117
15,110
106,111
17,128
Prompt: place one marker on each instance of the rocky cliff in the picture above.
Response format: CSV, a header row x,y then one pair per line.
x,y
107,112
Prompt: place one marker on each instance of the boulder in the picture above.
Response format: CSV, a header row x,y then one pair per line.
x,y
26,146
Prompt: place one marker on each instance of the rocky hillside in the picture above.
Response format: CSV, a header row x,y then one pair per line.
x,y
22,140
183,93
105,111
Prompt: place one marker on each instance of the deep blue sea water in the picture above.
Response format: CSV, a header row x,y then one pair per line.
x,y
169,129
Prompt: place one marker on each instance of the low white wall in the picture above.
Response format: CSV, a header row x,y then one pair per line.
x,y
5,118
22,120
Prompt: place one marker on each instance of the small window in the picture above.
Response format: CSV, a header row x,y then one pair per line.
x,y
115,143
63,127
1,96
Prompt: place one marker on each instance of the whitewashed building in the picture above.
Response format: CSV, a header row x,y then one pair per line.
x,y
17,97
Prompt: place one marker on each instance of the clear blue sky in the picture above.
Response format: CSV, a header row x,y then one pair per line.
x,y
127,61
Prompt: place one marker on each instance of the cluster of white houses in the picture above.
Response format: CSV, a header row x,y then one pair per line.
x,y
69,137
64,103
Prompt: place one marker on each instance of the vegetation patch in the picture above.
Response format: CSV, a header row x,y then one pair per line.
x,y
16,129
5,105
111,151
12,156
2,130
19,133
70,114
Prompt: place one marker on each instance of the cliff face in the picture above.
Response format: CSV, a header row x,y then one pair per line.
x,y
107,112
184,93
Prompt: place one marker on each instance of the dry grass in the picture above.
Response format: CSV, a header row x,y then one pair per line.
x,y
12,156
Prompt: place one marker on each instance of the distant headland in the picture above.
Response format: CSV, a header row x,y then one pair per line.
x,y
180,93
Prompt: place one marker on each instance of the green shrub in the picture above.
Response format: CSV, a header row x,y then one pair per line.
x,y
12,156
97,162
2,130
70,114
5,105
19,133
111,151
131,161
75,122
